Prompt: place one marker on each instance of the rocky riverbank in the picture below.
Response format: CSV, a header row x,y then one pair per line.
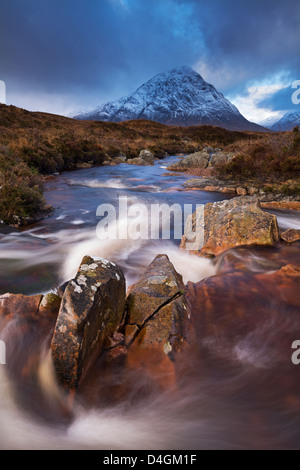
x,y
205,164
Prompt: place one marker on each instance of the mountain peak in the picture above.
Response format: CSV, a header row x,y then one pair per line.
x,y
183,72
179,97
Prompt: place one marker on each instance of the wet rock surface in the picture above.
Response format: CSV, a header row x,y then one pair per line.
x,y
238,316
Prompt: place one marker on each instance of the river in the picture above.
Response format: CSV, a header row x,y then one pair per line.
x,y
42,257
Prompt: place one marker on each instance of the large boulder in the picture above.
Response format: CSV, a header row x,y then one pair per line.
x,y
158,323
197,160
227,224
91,310
145,158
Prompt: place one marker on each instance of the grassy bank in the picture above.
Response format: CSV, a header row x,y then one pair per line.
x,y
272,162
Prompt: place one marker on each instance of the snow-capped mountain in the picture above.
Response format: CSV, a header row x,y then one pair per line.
x,y
179,97
287,122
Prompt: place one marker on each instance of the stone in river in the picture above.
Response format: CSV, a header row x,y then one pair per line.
x,y
158,323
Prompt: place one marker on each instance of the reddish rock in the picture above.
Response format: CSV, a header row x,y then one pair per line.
x,y
20,305
34,306
290,205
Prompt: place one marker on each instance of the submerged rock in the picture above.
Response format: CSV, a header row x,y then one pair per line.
x,y
227,224
248,316
91,310
290,236
145,158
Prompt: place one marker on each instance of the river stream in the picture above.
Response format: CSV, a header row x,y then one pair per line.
x,y
213,412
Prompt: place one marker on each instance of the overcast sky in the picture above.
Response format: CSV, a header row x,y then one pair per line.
x,y
65,56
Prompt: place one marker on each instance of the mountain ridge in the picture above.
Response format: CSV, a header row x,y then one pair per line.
x,y
287,122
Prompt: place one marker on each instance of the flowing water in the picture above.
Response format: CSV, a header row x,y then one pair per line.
x,y
209,411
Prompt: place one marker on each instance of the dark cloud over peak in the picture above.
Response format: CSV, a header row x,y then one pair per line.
x,y
85,52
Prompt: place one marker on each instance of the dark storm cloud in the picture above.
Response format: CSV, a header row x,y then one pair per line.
x,y
58,44
260,37
101,49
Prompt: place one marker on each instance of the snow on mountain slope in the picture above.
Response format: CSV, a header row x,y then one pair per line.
x,y
287,122
178,97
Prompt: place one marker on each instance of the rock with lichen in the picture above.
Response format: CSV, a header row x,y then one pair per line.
x,y
91,310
